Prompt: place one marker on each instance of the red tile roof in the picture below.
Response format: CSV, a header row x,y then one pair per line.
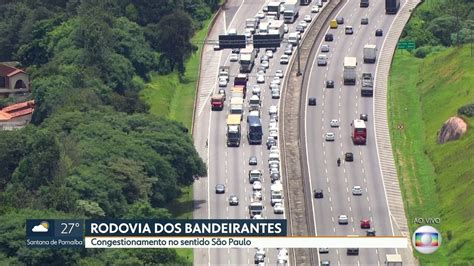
x,y
22,105
8,71
5,116
17,110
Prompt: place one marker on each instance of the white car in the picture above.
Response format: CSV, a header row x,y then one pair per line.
x,y
334,123
320,3
303,24
260,15
314,9
275,94
260,78
284,59
288,51
234,57
257,186
330,136
285,28
273,124
256,90
356,191
217,47
257,217
324,48
278,208
248,33
273,110
273,133
323,250
265,64
222,82
276,80
269,53
279,73
274,86
307,18
343,219
257,195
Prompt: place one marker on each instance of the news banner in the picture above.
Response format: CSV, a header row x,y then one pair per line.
x,y
216,233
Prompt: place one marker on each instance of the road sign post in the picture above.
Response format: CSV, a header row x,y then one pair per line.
x,y
406,45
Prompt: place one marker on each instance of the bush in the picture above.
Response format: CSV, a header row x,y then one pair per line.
x,y
422,52
467,110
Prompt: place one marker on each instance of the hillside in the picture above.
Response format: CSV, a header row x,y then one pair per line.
x,y
436,180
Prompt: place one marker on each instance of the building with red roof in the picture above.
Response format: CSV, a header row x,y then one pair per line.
x,y
13,80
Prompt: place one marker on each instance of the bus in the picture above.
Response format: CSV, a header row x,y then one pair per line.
x,y
359,132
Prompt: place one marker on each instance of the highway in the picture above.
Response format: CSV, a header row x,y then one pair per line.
x,y
229,165
344,102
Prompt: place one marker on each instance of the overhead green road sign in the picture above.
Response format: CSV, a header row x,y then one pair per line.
x,y
407,45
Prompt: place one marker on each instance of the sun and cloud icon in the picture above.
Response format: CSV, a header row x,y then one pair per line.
x,y
41,228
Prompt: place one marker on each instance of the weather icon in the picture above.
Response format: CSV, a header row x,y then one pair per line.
x,y
41,228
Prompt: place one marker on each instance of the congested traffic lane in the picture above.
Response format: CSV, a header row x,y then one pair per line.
x,y
345,104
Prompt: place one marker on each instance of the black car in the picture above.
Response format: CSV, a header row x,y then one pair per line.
x,y
318,193
371,232
236,51
364,21
340,20
378,32
274,177
312,101
300,28
329,83
349,157
353,251
329,37
364,117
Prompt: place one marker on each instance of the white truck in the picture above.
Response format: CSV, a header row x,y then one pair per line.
x,y
276,193
254,103
255,208
277,27
274,9
263,27
237,106
370,53
247,59
349,74
292,10
251,24
393,260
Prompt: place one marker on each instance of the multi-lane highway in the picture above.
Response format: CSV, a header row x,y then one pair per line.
x,y
344,103
230,165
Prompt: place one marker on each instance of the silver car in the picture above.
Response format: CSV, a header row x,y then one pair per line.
x,y
275,94
330,136
260,78
324,48
265,64
356,191
279,73
343,219
284,59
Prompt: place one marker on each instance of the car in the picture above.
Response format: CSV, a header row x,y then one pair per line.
x,y
273,109
257,195
260,251
255,175
288,51
257,217
323,250
378,33
270,142
260,15
274,86
349,157
371,232
330,136
253,160
236,51
334,123
318,193
260,78
314,9
325,263
257,185
274,117
303,23
324,48
276,80
365,223
256,90
307,18
248,33
279,73
222,82
274,171
264,58
222,92
275,94
284,59
273,164
312,101
234,57
320,3
265,64
299,28
285,28
273,49
258,258
322,60
356,191
233,200
352,251
329,83
343,219
220,189
364,117
278,208
274,177
348,30
329,37
340,20
269,53
261,69
232,31
364,21
217,47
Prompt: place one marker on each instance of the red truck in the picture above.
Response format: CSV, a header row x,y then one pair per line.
x,y
241,80
359,132
217,102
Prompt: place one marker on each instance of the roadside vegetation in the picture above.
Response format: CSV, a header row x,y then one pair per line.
x,y
437,180
94,148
